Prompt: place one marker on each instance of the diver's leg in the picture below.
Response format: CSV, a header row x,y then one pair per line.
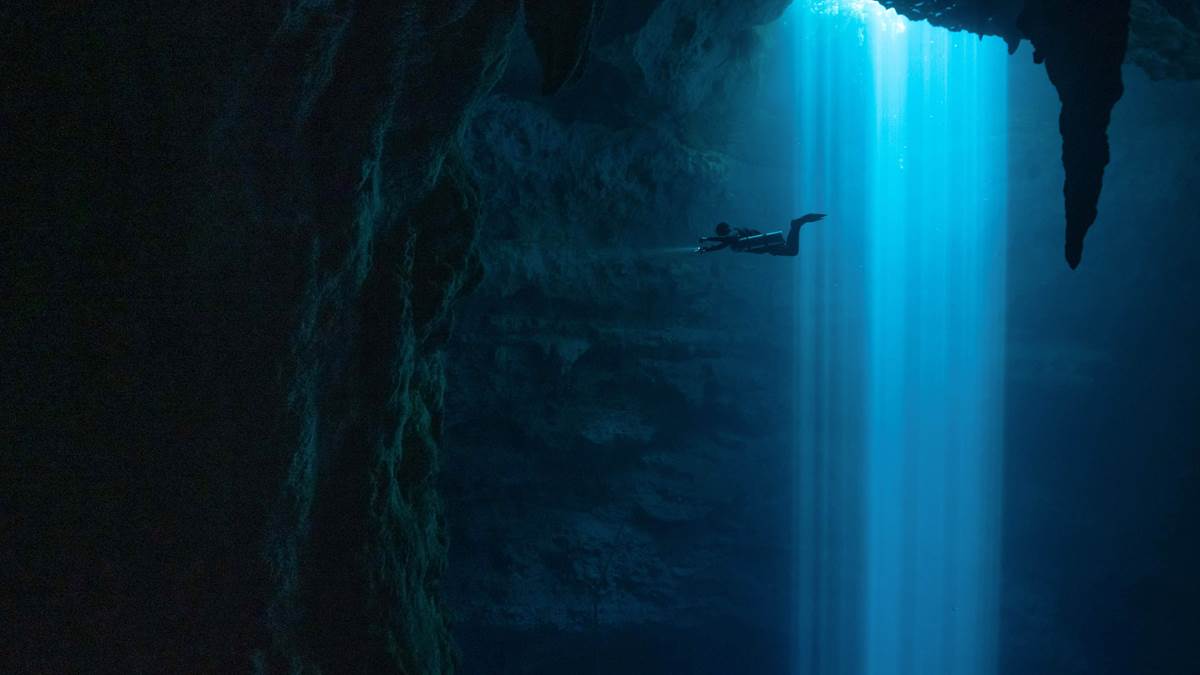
x,y
792,246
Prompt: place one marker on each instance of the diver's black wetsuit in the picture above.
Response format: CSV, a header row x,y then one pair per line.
x,y
732,241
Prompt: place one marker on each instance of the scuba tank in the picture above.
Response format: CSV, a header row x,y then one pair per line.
x,y
759,243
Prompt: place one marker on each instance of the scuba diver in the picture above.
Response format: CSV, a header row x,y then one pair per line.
x,y
742,240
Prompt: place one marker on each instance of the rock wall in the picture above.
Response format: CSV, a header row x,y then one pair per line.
x,y
233,238
233,241
619,430
1164,38
618,486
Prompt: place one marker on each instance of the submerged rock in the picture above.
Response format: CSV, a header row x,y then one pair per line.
x,y
233,241
1083,45
1164,38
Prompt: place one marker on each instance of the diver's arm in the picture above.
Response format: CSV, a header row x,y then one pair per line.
x,y
708,249
715,243
719,242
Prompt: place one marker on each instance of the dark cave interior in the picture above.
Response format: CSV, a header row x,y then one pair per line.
x,y
263,265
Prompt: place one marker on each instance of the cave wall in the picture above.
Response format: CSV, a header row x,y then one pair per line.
x,y
618,477
1164,38
233,241
233,236
601,502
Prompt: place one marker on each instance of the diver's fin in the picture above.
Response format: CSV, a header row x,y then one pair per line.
x,y
808,218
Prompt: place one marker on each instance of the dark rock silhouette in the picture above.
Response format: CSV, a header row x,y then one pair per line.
x,y
233,240
1083,46
232,244
561,31
1164,38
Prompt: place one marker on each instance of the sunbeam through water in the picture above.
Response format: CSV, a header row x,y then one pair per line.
x,y
902,137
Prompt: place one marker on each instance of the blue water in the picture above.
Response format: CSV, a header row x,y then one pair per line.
x,y
902,139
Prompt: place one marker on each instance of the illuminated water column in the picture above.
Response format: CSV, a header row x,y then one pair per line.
x,y
921,169
830,146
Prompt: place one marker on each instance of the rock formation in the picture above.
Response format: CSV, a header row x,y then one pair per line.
x,y
600,507
234,239
1083,44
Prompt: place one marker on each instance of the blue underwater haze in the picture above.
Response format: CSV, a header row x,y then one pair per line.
x,y
370,336
923,446
902,134
997,467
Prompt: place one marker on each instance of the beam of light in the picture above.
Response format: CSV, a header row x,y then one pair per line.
x,y
901,138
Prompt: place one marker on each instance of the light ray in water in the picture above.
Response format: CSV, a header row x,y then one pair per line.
x,y
671,250
900,332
